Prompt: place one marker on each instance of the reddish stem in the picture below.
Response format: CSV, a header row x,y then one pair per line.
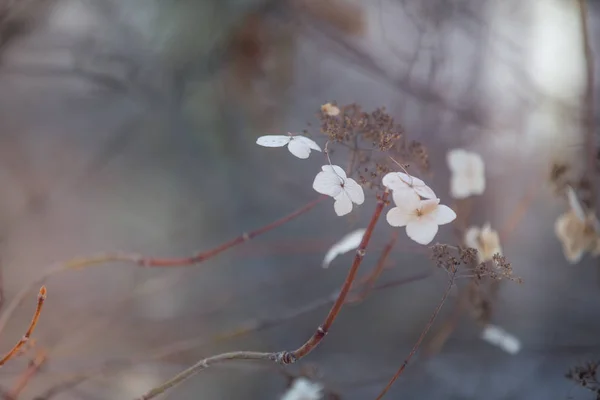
x,y
421,337
287,357
244,237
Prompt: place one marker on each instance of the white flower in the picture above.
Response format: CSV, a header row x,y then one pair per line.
x,y
349,242
485,240
575,204
330,109
499,337
421,217
333,182
401,184
468,173
576,236
303,389
298,145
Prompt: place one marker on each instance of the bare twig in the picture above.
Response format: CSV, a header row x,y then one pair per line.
x,y
287,357
421,337
105,258
36,316
24,379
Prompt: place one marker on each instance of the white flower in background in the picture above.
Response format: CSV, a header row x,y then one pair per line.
x,y
330,109
333,182
298,145
575,204
401,184
467,173
485,240
303,389
421,217
577,236
349,242
499,337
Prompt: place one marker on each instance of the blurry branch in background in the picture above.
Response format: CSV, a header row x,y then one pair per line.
x,y
32,369
38,310
286,357
588,104
84,262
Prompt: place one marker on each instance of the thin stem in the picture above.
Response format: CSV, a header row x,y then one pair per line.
x,y
205,363
36,316
105,258
291,357
287,357
29,373
588,100
421,337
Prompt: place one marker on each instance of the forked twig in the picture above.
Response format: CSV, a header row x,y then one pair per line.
x,y
36,316
99,259
421,337
286,357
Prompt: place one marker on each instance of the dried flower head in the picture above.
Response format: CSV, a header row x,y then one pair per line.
x,y
576,236
586,376
330,110
485,240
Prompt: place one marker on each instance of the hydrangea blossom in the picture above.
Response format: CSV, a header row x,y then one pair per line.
x,y
349,242
332,181
468,173
421,217
485,240
576,236
403,184
298,145
303,389
497,336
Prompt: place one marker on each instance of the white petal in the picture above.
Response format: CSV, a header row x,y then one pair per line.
x,y
499,337
299,149
406,199
308,142
334,169
303,389
395,181
458,160
273,140
477,164
575,204
354,191
349,242
398,217
460,186
327,183
425,191
472,236
343,204
422,231
444,215
478,184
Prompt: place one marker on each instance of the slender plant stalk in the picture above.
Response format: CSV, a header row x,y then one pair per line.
x,y
29,373
286,357
421,337
36,316
105,258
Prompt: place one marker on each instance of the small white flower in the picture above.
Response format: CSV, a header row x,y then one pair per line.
x,y
421,217
468,173
499,337
298,145
333,182
401,184
349,242
303,389
330,109
485,240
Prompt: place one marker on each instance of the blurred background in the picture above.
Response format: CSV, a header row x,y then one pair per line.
x,y
131,125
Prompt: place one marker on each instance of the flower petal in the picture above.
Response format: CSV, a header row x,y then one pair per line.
x,y
575,204
394,181
458,160
334,169
444,215
308,142
460,186
343,204
273,140
472,237
327,183
349,242
422,231
425,191
299,149
354,191
406,199
399,217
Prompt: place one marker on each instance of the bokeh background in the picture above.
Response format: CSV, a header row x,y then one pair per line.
x,y
131,125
